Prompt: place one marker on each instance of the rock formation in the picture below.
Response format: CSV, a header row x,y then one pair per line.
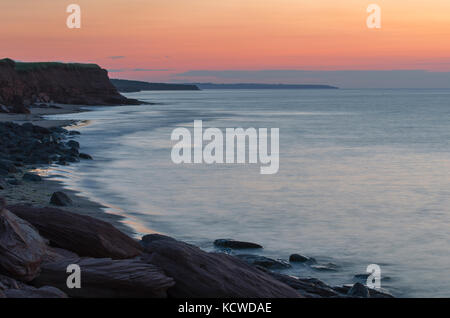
x,y
22,84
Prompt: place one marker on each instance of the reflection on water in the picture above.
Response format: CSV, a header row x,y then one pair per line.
x,y
363,178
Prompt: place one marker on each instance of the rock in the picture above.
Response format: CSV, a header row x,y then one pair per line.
x,y
358,290
85,156
14,289
73,83
106,278
73,144
212,275
31,177
60,199
74,132
80,234
263,261
297,258
228,243
308,287
374,293
21,247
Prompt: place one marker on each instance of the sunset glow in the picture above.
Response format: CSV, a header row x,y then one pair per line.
x,y
156,39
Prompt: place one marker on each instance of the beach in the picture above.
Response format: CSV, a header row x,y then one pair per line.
x,y
39,193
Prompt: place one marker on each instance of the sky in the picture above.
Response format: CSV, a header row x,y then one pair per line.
x,y
237,40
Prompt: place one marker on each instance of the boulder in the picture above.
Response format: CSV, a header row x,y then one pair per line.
x,y
11,288
80,234
228,243
22,249
107,278
257,260
85,156
200,274
60,199
297,258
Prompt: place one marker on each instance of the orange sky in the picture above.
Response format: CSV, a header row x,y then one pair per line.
x,y
165,37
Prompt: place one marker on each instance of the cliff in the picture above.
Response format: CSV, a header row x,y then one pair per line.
x,y
137,86
23,84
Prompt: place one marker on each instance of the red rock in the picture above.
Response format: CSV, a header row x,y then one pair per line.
x,y
80,234
200,274
10,288
106,278
83,84
22,249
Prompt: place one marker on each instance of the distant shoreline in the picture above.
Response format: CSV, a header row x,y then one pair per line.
x,y
131,86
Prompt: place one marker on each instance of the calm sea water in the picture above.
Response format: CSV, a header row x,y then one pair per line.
x,y
364,178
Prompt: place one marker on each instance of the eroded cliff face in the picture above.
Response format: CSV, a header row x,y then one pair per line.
x,y
23,84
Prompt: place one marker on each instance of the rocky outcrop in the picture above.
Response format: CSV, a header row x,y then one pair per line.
x,y
81,234
10,288
21,248
22,84
29,144
229,243
106,278
200,274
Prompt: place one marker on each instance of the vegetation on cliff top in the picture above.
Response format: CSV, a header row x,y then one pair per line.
x,y
32,66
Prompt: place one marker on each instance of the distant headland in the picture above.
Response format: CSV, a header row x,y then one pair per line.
x,y
26,84
129,86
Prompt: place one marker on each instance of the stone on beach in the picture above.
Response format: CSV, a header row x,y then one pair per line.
x,y
106,278
60,199
201,274
228,243
81,234
297,258
21,247
85,156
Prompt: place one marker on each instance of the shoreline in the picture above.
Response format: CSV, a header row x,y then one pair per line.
x,y
37,195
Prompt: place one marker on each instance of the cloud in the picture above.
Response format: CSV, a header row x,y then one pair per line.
x,y
343,79
116,57
116,71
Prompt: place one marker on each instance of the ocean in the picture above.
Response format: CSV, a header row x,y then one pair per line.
x,y
363,178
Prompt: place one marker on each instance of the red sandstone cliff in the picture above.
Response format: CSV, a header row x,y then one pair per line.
x,y
22,84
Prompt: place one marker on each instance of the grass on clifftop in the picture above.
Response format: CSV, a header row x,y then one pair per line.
x,y
33,66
